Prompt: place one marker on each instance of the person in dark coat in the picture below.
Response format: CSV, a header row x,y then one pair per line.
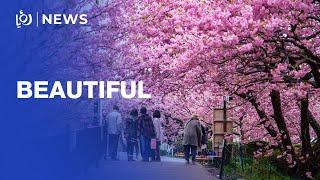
x,y
131,133
192,138
204,140
146,132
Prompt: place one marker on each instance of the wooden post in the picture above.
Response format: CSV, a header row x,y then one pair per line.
x,y
221,126
241,157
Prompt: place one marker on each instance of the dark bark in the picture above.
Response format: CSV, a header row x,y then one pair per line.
x,y
262,115
314,124
316,74
316,148
280,121
306,150
305,133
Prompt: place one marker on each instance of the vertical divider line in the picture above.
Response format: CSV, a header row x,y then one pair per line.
x,y
37,19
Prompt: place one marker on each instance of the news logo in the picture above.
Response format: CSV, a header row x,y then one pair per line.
x,y
23,19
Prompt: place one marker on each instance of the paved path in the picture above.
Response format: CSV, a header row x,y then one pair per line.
x,y
168,169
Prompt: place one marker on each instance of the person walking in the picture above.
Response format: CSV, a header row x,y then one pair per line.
x,y
105,134
114,122
157,126
131,133
136,146
146,132
204,139
192,138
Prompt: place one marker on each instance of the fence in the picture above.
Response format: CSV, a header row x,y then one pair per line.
x,y
237,164
64,156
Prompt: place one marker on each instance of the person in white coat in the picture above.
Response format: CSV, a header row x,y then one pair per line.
x,y
157,126
114,122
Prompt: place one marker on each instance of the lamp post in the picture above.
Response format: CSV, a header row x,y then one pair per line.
x,y
224,113
226,99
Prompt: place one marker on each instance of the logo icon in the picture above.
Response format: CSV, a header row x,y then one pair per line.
x,y
23,19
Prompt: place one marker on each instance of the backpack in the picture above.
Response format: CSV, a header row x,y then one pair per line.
x,y
144,119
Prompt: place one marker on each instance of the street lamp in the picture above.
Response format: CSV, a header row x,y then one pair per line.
x,y
226,99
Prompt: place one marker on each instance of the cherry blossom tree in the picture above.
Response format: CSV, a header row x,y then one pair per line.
x,y
264,52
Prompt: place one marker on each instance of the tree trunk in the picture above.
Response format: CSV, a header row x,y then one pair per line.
x,y
316,148
280,121
314,124
262,115
306,150
305,134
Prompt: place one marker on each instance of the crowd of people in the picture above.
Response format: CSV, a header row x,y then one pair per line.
x,y
141,133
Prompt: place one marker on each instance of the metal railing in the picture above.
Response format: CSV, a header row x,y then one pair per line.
x,y
64,156
243,166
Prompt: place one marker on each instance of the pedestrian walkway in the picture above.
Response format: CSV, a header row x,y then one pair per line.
x,y
169,168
